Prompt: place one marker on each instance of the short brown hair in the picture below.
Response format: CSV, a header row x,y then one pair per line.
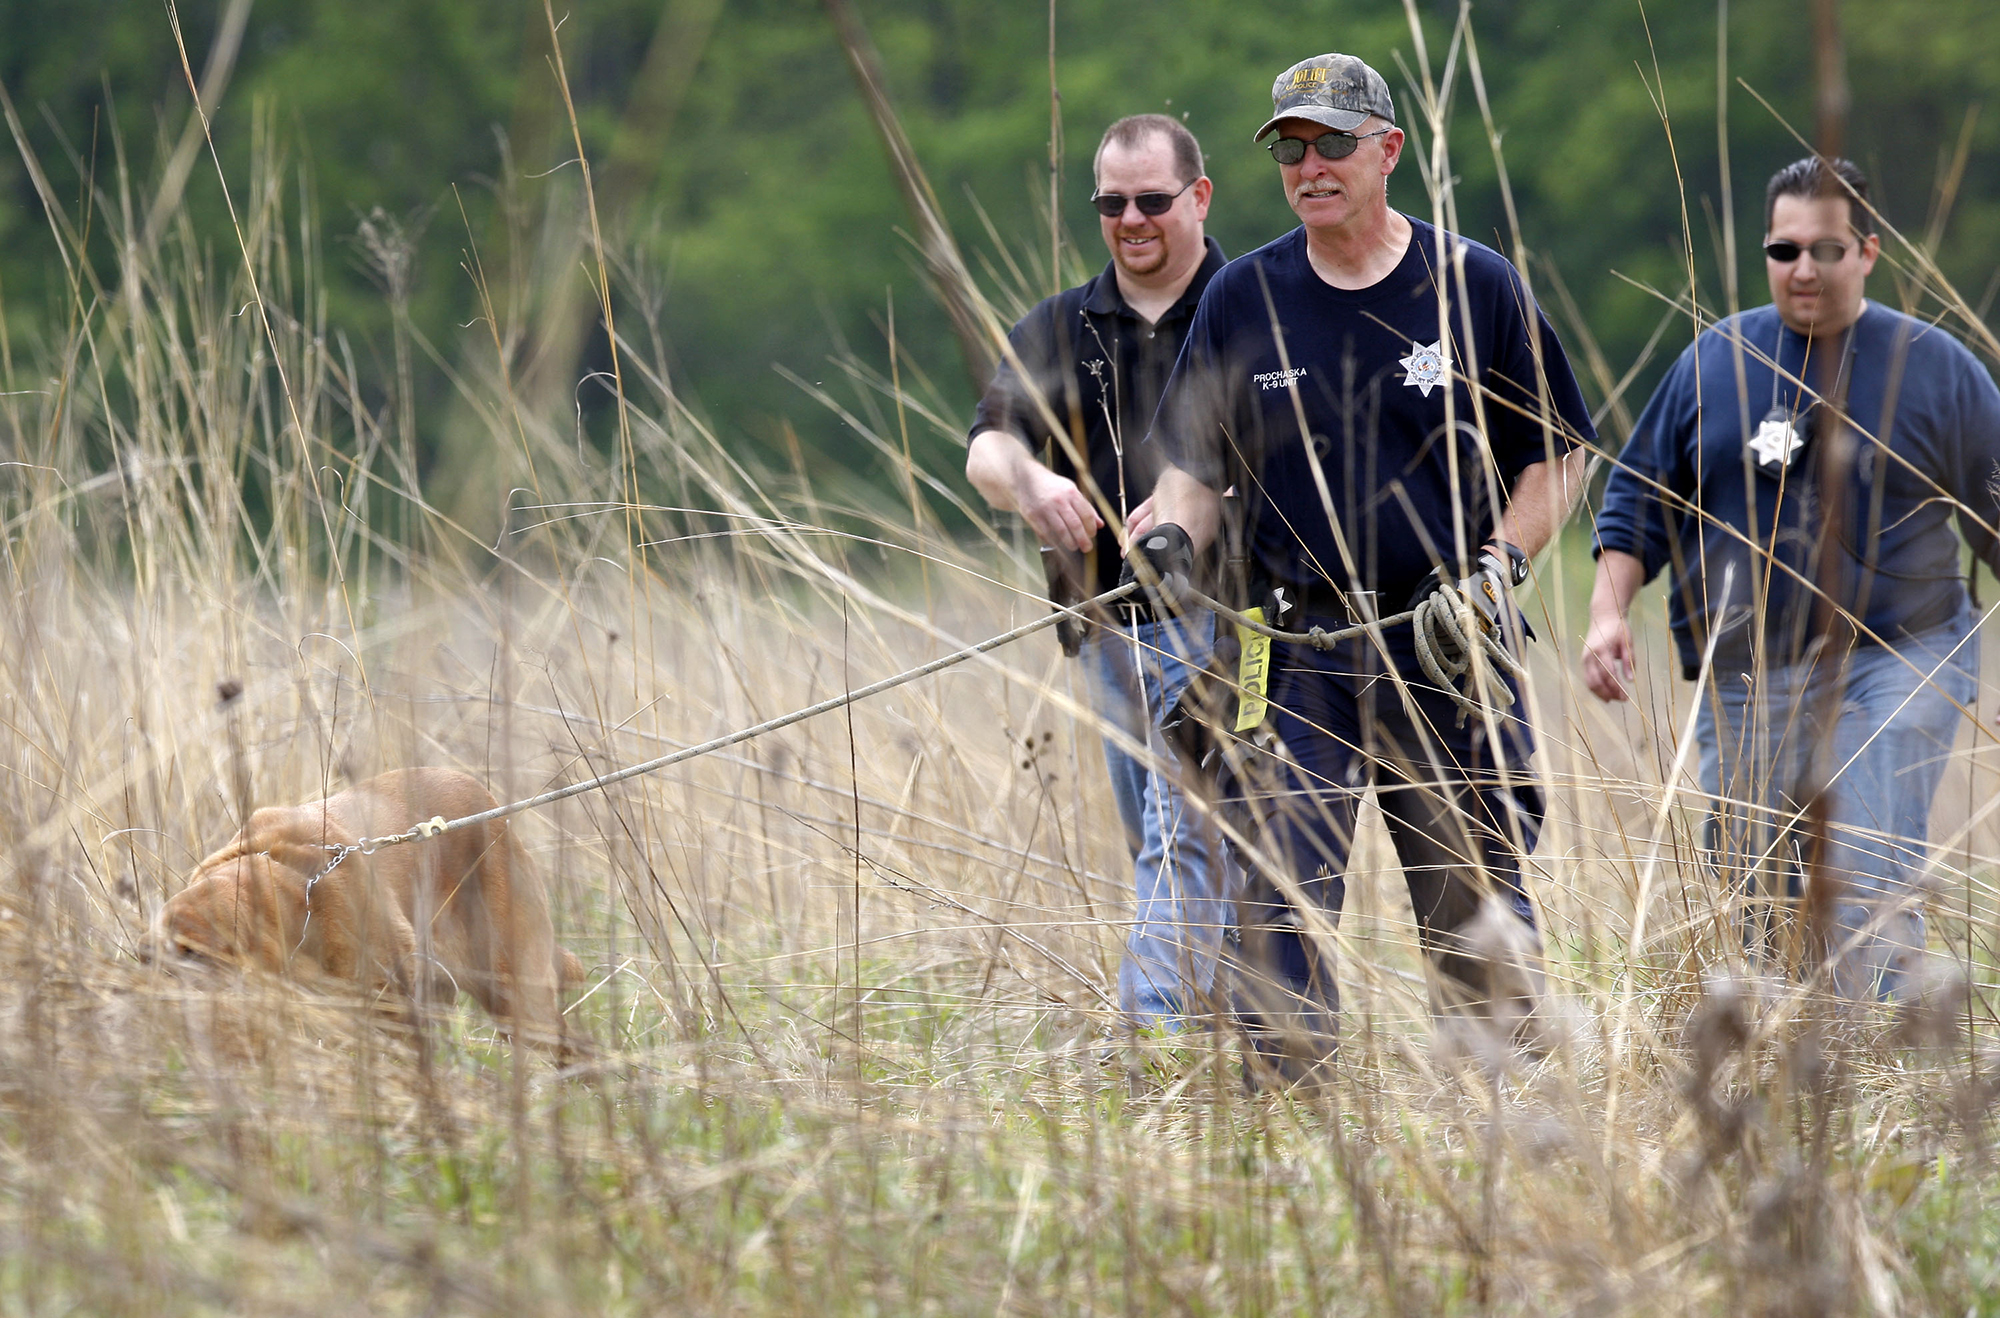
x,y
1808,178
1133,130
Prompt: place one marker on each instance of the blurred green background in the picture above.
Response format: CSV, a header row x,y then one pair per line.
x,y
750,198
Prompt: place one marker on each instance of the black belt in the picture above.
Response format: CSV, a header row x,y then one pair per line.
x,y
1321,599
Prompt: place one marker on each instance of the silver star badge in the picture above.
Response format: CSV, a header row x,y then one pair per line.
x,y
1425,367
1775,442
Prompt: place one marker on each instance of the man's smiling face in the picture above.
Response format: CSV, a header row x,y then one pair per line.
x,y
1144,245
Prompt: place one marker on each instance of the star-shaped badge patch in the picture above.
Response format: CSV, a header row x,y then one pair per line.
x,y
1775,442
1425,367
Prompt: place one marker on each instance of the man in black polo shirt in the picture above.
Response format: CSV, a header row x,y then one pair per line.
x,y
1056,439
1400,424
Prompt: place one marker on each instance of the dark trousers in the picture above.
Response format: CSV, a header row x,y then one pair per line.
x,y
1461,810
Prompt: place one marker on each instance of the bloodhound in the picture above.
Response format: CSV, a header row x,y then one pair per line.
x,y
462,911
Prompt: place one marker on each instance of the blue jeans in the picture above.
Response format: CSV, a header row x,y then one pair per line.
x,y
1135,675
1893,733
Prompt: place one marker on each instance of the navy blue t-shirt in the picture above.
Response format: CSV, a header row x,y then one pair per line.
x,y
1688,491
1408,461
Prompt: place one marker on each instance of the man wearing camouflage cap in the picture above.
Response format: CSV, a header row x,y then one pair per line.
x,y
1399,423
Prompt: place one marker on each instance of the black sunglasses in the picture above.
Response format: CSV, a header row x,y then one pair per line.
x,y
1334,146
1112,204
1827,251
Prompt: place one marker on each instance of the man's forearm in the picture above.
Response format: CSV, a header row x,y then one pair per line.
x,y
1609,666
1543,496
1619,576
1181,499
1000,467
993,464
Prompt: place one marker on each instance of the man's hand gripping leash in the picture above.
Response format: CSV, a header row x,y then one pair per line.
x,y
1161,563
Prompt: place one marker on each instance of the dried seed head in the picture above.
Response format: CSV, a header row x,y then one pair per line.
x,y
1501,1007
1472,1043
1719,1025
1930,1013
1810,1063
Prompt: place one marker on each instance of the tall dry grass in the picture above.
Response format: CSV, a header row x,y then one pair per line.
x,y
852,984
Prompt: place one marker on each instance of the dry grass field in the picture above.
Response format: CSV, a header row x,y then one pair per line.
x,y
851,982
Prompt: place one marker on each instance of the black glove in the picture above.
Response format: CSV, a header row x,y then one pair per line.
x,y
1162,562
1488,590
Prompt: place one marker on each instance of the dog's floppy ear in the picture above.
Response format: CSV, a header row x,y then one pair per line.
x,y
235,849
245,913
271,830
305,859
188,927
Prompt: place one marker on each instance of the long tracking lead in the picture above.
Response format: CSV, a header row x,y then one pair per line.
x,y
434,827
1444,649
1444,644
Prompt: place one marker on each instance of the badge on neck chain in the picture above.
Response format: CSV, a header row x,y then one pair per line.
x,y
1779,438
1787,430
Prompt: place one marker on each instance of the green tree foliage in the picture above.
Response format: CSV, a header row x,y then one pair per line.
x,y
753,200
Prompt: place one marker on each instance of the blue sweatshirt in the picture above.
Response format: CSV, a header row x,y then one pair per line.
x,y
1688,491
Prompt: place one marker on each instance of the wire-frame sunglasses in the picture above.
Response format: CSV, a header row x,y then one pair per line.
x,y
1334,146
1112,204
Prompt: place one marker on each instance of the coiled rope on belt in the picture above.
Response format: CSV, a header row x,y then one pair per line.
x,y
1444,650
1447,633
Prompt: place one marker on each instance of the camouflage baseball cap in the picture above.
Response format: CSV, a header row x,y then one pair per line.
x,y
1336,90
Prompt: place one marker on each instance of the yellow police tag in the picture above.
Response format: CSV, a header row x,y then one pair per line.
x,y
1253,677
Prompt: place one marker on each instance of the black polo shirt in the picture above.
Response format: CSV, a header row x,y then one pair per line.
x,y
1100,369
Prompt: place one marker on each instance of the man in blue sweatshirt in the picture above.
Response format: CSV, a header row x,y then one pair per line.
x,y
1851,660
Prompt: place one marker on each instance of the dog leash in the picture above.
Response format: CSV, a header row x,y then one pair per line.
x,y
1444,650
1444,641
437,825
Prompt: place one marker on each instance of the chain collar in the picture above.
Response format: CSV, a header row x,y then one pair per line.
x,y
336,853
